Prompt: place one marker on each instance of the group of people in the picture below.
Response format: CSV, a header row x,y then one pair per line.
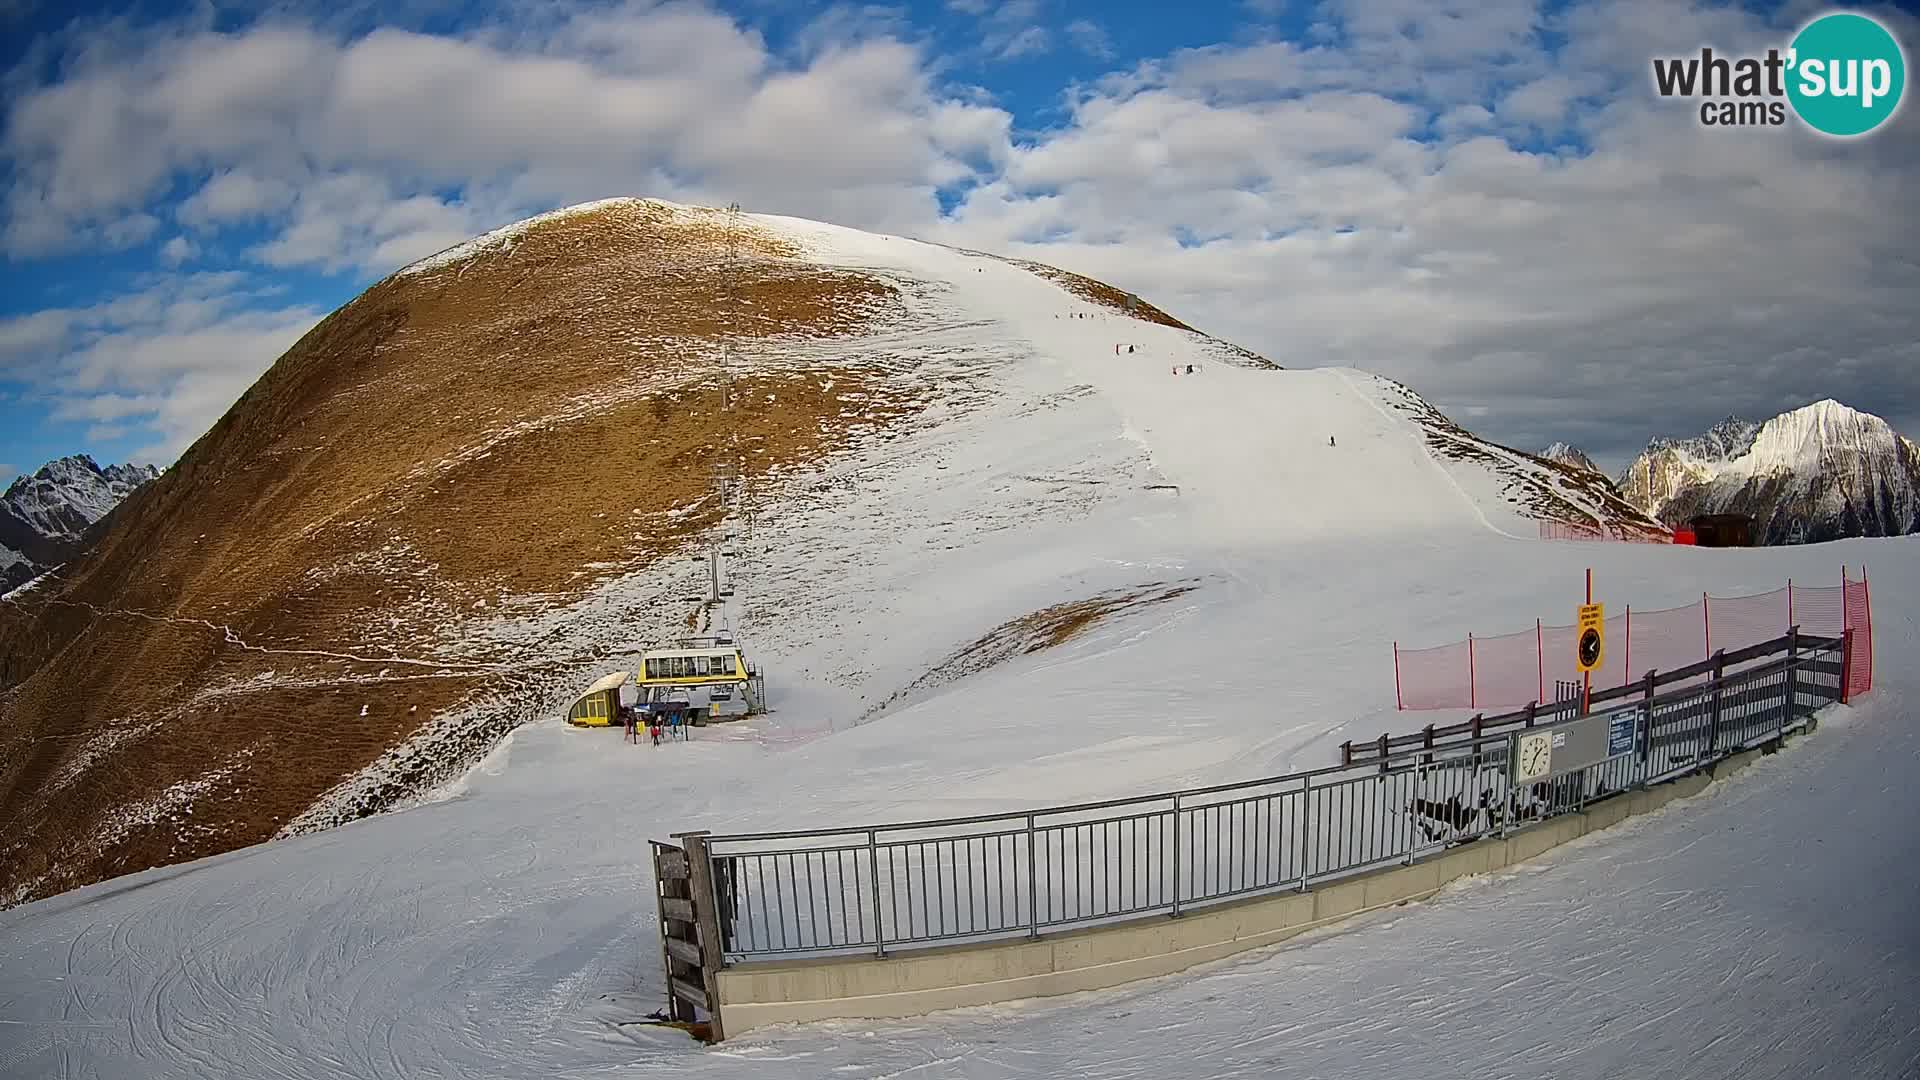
x,y
655,726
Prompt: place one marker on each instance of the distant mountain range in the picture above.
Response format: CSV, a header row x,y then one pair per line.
x,y
44,515
1820,472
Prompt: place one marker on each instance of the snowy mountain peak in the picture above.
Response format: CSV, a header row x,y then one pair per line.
x,y
66,495
43,514
1569,455
1821,471
1724,441
1810,436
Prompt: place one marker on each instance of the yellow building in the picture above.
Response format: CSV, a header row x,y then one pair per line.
x,y
599,705
712,679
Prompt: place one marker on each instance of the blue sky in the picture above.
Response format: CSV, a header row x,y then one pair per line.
x,y
1482,199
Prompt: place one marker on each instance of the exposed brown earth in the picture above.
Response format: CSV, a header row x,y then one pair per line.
x,y
1047,628
517,423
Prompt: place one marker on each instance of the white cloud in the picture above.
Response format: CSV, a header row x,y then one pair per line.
x,y
1377,194
166,360
346,145
1663,278
1009,29
1090,38
234,195
1030,41
177,250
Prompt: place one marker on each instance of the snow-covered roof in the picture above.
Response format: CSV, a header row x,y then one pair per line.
x,y
610,681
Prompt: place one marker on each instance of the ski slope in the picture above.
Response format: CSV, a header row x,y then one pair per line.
x,y
506,928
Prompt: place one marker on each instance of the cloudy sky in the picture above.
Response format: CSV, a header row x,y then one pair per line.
x,y
1482,198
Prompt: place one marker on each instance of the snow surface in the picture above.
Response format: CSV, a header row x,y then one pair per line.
x,y
507,929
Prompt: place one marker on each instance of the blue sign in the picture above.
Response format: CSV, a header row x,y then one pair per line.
x,y
1620,733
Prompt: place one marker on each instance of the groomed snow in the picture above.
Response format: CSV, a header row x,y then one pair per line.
x,y
507,930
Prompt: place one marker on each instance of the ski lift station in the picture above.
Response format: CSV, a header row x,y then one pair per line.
x,y
599,705
709,679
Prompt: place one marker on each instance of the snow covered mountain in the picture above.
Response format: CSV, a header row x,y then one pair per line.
x,y
44,514
491,478
1819,472
989,558
1667,466
1570,456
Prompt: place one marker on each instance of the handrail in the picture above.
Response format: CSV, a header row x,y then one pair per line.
x,y
1353,753
884,887
1415,745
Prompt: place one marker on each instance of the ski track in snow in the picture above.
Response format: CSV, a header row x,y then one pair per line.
x,y
507,929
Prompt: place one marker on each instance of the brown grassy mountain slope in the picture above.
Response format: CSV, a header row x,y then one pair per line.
x,y
493,430
280,607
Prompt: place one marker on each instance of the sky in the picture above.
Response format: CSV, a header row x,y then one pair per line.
x,y
1484,199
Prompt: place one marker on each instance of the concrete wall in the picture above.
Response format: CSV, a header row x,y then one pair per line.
x,y
912,983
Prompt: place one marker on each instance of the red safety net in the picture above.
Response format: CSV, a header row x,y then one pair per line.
x,y
1435,678
1511,670
1506,670
1859,618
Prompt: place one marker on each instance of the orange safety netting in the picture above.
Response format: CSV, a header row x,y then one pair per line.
x,y
1512,670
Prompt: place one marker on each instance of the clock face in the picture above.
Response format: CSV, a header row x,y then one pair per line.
x,y
1589,650
1535,757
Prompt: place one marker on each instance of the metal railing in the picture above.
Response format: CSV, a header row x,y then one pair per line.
x,y
889,887
1566,696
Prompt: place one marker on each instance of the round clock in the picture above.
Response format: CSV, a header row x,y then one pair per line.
x,y
1533,757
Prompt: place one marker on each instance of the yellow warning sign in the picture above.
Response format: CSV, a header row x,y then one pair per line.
x,y
1590,642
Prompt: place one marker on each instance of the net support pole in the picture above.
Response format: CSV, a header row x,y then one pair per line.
x,y
1399,702
1473,689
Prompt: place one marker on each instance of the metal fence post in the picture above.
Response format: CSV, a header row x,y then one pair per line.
x,y
1306,827
706,915
1846,662
1411,841
1646,743
1176,853
873,872
1713,723
1793,678
1033,885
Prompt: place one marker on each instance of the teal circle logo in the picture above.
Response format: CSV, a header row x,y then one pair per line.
x,y
1845,74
